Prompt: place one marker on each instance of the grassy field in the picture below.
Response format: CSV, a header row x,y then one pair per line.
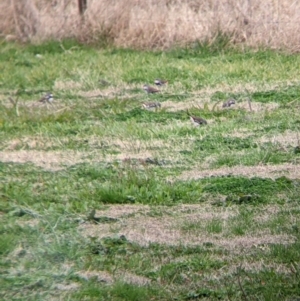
x,y
101,199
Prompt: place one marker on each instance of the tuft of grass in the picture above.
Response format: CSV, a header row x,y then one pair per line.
x,y
250,191
103,183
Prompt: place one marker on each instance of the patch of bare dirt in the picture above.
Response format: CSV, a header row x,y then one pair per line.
x,y
257,106
97,93
244,87
266,213
118,211
52,160
67,286
134,279
288,138
33,142
130,156
123,91
30,142
255,266
31,223
101,276
56,160
106,277
289,170
174,106
140,149
130,145
33,106
165,228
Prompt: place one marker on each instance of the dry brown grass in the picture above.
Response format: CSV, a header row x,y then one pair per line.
x,y
265,171
56,160
156,23
52,160
108,278
139,226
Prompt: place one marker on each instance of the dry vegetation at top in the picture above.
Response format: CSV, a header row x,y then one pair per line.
x,y
155,24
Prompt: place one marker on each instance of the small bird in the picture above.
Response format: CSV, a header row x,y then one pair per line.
x,y
160,82
198,121
150,89
47,98
103,82
228,103
151,105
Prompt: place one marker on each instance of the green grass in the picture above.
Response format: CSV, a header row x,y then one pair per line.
x,y
180,213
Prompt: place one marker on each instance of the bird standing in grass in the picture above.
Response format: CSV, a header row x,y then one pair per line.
x,y
228,103
151,105
160,82
197,120
48,98
150,90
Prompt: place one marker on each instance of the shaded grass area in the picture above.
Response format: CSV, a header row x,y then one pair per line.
x,y
81,186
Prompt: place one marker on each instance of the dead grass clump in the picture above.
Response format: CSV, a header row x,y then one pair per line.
x,y
7,25
26,18
156,23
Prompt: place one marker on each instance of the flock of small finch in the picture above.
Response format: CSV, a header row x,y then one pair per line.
x,y
48,98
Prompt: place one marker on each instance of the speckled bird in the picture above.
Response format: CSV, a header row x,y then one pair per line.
x,y
198,120
228,103
150,90
160,82
47,98
151,105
